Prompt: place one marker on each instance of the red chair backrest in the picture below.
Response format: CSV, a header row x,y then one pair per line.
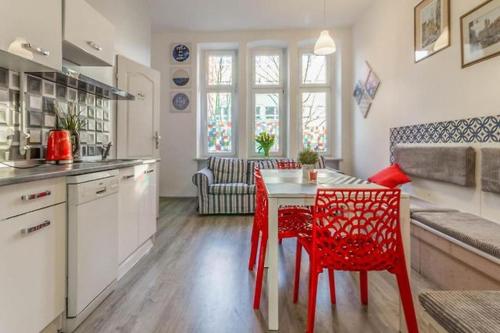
x,y
260,215
357,229
289,165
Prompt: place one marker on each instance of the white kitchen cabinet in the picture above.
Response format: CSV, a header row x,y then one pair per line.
x,y
137,208
147,208
33,272
37,27
88,37
128,213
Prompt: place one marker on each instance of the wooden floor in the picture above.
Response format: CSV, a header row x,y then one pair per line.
x,y
196,280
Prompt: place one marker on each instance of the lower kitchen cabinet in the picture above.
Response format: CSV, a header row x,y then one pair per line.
x,y
137,208
33,269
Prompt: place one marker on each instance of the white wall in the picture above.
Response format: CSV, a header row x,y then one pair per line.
x,y
179,144
435,89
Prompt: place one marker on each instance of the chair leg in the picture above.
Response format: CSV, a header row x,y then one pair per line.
x,y
254,244
363,287
331,280
407,299
311,306
298,259
260,272
280,241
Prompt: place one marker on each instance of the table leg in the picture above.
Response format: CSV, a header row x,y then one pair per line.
x,y
272,260
404,216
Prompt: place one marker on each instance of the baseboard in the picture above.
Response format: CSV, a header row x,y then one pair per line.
x,y
55,326
134,258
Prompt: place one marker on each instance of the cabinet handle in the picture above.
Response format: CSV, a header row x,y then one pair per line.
x,y
30,230
157,139
149,171
94,45
128,177
38,50
101,191
33,196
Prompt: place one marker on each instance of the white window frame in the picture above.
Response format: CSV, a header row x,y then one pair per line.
x,y
313,88
205,89
279,89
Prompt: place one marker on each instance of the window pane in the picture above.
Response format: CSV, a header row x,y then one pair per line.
x,y
267,117
267,70
313,69
219,122
220,70
314,121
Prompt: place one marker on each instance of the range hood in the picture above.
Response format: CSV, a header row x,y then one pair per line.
x,y
73,79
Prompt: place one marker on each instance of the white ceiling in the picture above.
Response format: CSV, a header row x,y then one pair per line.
x,y
218,15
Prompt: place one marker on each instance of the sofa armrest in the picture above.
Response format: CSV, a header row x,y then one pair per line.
x,y
202,179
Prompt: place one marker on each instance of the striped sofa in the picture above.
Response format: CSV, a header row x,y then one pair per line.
x,y
227,185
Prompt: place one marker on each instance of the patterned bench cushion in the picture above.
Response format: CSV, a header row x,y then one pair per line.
x,y
228,170
234,188
473,230
464,311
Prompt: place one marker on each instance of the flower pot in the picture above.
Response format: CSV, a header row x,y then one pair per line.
x,y
306,172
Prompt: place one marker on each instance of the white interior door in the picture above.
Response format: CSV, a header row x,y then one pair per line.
x,y
138,121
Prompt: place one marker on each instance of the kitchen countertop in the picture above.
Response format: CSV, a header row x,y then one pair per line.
x,y
9,176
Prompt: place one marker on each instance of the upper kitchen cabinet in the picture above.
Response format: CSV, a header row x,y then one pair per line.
x,y
32,30
87,35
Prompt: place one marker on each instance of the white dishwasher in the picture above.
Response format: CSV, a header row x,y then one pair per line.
x,y
92,243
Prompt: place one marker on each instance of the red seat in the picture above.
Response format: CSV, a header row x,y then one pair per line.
x,y
291,222
355,230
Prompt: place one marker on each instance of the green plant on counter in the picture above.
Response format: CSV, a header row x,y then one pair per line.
x,y
265,141
308,157
72,121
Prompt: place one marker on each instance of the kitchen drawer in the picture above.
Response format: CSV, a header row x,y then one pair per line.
x,y
25,197
88,37
32,277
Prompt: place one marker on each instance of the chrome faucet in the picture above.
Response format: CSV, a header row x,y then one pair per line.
x,y
105,151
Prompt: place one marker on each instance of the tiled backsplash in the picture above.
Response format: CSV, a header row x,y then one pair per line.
x,y
41,98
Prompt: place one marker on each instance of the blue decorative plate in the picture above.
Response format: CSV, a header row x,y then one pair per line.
x,y
180,101
180,77
180,53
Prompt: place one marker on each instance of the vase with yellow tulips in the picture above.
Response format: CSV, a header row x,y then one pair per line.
x,y
265,141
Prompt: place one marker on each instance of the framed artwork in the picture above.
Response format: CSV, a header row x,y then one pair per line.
x,y
371,84
480,33
180,102
181,77
432,28
358,92
180,53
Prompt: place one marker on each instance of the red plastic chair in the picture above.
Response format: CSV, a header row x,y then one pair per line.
x,y
291,222
289,165
356,230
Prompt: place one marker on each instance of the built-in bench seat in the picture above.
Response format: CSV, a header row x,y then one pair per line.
x,y
420,206
461,311
473,230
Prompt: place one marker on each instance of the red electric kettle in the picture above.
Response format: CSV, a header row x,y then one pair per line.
x,y
59,146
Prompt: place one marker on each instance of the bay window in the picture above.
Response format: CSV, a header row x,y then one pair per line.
x,y
218,98
267,95
315,102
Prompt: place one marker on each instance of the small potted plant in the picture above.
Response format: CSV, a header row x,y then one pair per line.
x,y
308,158
265,141
72,121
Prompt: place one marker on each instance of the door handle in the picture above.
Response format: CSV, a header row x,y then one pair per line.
x,y
36,49
157,138
40,226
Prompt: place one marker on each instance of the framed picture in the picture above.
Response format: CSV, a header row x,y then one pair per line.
x,y
358,92
432,28
180,53
480,33
180,102
181,77
372,83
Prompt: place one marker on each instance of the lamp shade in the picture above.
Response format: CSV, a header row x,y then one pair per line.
x,y
325,44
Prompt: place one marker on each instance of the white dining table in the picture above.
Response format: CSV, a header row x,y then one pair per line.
x,y
287,187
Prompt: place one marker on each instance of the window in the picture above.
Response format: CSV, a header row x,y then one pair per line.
x,y
218,94
315,92
267,93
